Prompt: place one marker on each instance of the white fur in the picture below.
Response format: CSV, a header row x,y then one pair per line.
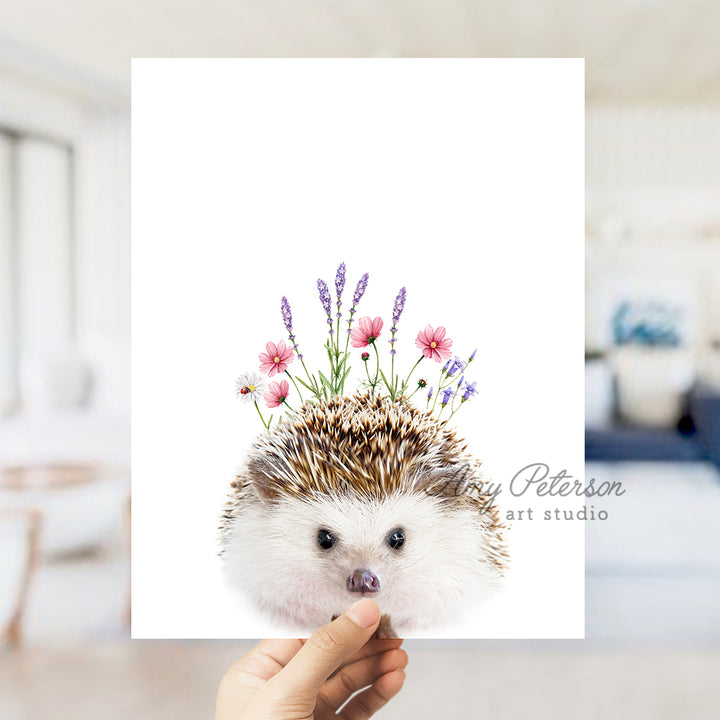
x,y
442,568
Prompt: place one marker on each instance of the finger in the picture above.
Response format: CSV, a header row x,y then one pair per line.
x,y
265,660
327,649
280,651
374,647
355,676
369,701
252,671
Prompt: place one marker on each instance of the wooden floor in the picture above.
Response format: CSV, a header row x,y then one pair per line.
x,y
152,680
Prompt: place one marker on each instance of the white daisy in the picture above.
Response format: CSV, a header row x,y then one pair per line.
x,y
250,387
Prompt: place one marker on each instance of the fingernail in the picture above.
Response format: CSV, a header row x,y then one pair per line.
x,y
364,613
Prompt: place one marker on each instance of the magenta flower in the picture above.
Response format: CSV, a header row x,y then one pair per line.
x,y
276,359
433,343
367,332
276,393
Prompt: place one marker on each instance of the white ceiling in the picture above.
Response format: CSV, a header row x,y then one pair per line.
x,y
635,50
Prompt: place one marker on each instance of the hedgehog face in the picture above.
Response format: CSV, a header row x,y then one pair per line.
x,y
308,560
338,504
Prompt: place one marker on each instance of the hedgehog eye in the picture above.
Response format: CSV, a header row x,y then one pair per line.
x,y
325,539
396,539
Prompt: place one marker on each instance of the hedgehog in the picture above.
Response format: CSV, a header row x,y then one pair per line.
x,y
358,497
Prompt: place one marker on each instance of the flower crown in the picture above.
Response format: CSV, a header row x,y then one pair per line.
x,y
452,390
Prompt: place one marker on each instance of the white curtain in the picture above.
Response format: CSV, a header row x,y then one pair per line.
x,y
103,256
65,264
37,269
45,254
8,338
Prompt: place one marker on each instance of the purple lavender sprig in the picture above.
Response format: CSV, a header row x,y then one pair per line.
x,y
399,305
357,296
397,312
325,301
339,285
287,321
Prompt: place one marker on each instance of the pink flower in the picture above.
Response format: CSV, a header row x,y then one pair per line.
x,y
434,344
276,359
276,393
367,332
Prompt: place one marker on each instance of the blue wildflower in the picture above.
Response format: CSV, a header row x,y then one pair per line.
x,y
447,394
469,391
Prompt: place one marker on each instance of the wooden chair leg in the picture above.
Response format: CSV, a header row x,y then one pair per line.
x,y
13,632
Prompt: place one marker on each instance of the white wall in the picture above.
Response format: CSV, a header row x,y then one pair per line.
x,y
653,204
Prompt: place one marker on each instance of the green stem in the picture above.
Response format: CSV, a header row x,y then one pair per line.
x,y
342,370
414,391
285,402
377,369
392,364
407,379
267,427
337,340
367,372
347,339
310,380
302,402
437,394
455,409
454,400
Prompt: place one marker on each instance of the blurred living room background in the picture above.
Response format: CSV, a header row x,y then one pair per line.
x,y
652,350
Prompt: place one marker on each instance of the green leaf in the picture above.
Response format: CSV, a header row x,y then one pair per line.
x,y
313,389
387,385
305,385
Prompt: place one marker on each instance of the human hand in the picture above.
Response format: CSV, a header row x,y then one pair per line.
x,y
311,679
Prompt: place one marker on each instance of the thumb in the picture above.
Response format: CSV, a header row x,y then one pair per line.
x,y
326,650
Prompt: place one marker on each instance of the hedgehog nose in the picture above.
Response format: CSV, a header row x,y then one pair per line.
x,y
363,581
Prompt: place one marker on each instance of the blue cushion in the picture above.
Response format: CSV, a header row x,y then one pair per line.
x,y
704,406
626,443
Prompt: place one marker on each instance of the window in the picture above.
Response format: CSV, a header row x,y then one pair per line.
x,y
37,258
